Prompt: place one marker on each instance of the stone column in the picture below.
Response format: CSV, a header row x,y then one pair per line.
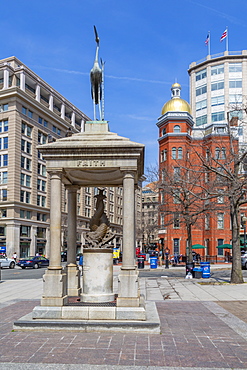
x,y
5,78
33,244
54,288
128,221
73,119
73,273
12,239
128,289
82,125
22,81
51,102
37,93
62,111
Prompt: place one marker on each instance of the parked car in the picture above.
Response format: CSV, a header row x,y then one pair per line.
x,y
7,262
34,262
244,261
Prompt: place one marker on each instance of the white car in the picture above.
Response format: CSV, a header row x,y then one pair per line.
x,y
7,262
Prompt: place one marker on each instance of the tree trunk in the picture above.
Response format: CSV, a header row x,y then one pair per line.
x,y
190,256
236,273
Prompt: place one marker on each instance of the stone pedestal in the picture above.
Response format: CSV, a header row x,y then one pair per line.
x,y
97,275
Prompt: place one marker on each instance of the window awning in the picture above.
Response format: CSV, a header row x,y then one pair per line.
x,y
224,246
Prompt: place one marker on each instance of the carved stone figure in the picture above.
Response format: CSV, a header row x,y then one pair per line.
x,y
99,234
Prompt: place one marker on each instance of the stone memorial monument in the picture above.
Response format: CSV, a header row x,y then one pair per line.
x,y
99,158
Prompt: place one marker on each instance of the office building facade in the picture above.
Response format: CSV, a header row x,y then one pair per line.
x,y
218,91
33,113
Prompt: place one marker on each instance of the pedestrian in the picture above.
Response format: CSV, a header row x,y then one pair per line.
x,y
160,258
198,257
167,252
176,259
15,256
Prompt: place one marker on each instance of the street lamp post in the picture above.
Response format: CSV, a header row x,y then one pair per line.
x,y
244,219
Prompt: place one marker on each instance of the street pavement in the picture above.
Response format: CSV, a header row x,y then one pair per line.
x,y
203,326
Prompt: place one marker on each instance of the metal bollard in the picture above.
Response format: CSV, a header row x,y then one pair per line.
x,y
167,262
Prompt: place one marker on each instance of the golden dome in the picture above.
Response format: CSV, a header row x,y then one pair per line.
x,y
176,105
176,85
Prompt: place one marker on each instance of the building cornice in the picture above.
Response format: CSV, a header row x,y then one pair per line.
x,y
175,116
215,59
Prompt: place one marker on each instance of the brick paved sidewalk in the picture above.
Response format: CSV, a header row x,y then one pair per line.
x,y
194,335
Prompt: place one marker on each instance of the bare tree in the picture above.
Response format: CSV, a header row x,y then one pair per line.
x,y
185,200
227,166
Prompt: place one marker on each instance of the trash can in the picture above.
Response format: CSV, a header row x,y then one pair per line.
x,y
153,262
205,269
81,261
190,268
197,272
140,262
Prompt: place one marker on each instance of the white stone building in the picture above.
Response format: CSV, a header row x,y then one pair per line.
x,y
218,87
33,113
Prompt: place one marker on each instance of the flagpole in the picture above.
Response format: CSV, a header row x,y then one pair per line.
x,y
209,43
226,38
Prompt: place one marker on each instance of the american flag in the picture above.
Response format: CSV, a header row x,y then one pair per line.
x,y
207,40
224,35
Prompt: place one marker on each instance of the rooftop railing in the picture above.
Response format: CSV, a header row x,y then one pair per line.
x,y
214,56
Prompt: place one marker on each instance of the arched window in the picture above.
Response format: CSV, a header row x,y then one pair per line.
x,y
177,129
163,131
217,153
223,153
180,153
174,153
163,155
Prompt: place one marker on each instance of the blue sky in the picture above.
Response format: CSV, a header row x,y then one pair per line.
x,y
146,45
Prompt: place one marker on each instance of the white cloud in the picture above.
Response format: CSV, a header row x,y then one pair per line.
x,y
108,76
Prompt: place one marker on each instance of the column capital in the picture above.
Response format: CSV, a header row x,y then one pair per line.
x,y
129,174
55,174
72,188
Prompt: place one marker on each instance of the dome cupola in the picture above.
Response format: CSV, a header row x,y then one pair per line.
x,y
176,104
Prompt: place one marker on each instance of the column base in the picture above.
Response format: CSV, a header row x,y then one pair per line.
x,y
73,280
54,301
128,288
97,298
128,302
54,288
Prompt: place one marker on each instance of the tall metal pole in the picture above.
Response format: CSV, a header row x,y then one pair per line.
x,y
103,91
245,235
243,222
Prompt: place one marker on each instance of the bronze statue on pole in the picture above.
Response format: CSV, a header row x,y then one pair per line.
x,y
96,78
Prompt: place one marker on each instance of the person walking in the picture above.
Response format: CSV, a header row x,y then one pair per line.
x,y
15,256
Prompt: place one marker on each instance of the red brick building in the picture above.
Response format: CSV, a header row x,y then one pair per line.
x,y
180,146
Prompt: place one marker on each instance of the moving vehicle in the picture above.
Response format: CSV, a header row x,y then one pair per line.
x,y
33,261
7,262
